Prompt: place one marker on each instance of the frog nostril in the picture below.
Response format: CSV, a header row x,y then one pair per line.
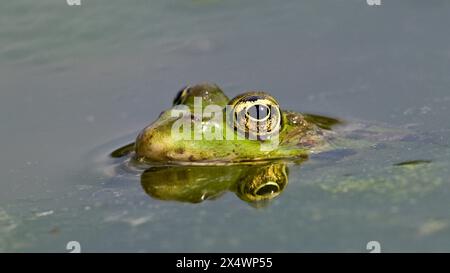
x,y
267,189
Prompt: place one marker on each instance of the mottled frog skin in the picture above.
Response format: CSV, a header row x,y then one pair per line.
x,y
297,134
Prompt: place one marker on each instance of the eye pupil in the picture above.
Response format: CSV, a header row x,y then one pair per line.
x,y
258,112
268,189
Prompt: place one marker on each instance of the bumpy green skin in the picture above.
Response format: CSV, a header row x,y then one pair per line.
x,y
298,136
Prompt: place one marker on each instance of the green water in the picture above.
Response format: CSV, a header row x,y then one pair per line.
x,y
77,82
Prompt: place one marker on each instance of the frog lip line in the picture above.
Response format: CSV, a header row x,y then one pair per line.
x,y
188,122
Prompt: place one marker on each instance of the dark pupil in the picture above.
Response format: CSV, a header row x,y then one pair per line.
x,y
258,111
266,190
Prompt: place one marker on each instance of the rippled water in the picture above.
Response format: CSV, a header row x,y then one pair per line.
x,y
79,82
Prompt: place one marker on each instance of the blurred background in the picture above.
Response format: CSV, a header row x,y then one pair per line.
x,y
76,82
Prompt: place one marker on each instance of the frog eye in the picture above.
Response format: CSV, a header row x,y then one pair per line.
x,y
179,98
256,115
262,183
266,190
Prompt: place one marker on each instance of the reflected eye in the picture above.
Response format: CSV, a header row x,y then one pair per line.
x,y
263,183
179,98
268,189
256,115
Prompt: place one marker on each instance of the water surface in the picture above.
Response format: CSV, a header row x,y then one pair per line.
x,y
78,82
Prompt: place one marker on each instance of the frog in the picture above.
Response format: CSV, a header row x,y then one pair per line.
x,y
250,127
195,168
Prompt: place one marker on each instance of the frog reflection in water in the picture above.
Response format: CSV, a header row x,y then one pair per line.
x,y
254,184
192,170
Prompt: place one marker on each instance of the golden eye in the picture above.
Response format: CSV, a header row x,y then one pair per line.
x,y
268,189
256,115
261,183
179,98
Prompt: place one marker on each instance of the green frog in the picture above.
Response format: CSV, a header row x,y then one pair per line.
x,y
250,127
207,144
